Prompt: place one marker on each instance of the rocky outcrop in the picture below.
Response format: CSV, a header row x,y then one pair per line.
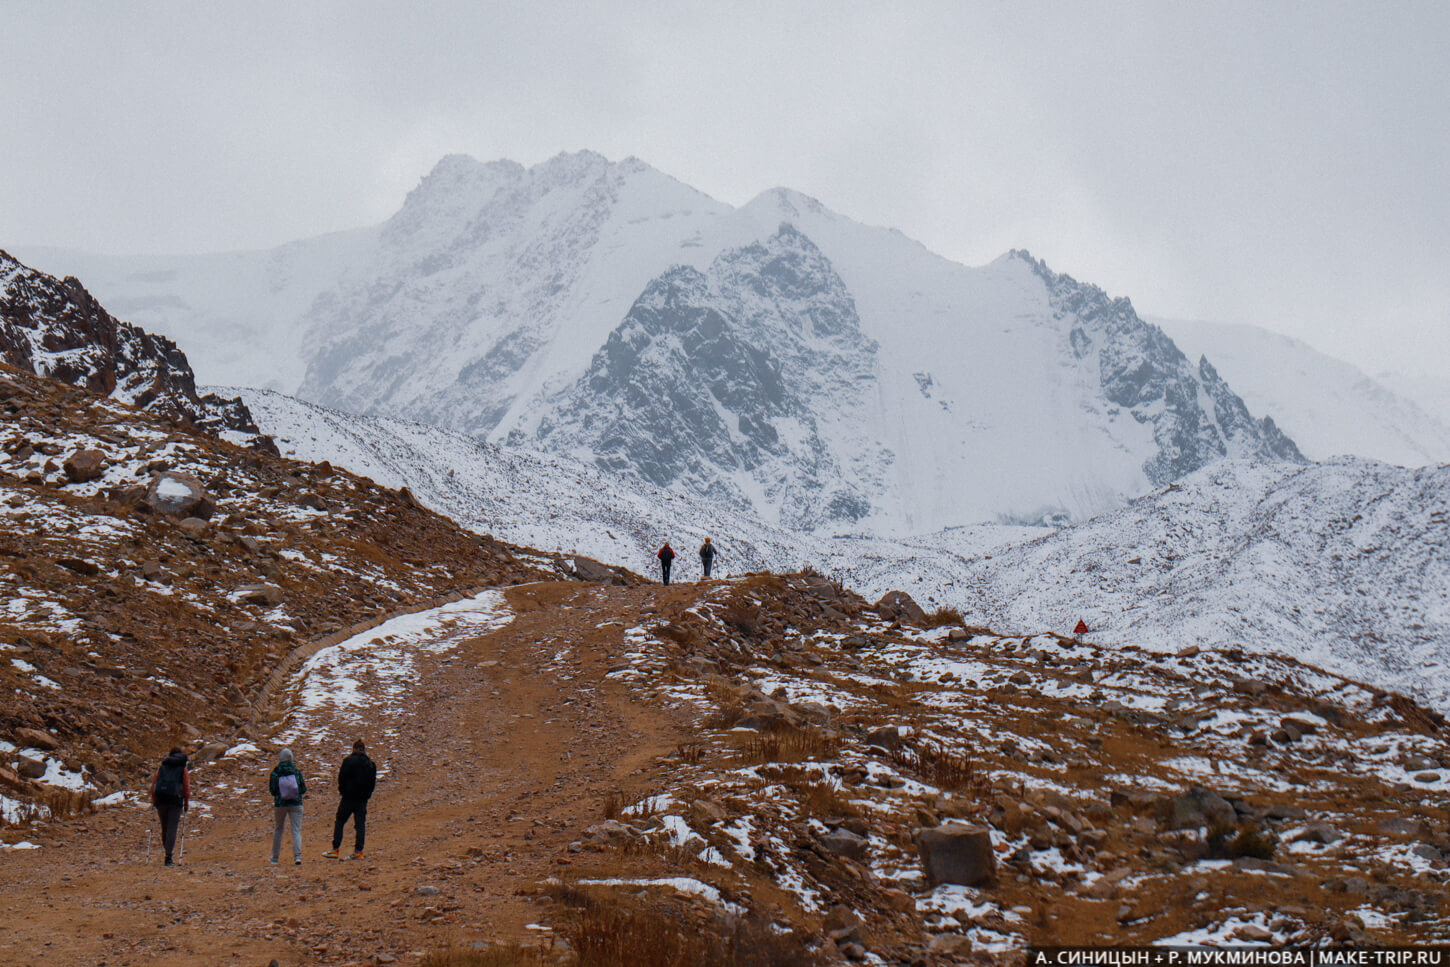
x,y
957,853
752,368
55,328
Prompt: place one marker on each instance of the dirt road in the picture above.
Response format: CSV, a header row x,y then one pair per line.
x,y
497,747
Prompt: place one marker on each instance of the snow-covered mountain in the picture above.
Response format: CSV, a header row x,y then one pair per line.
x,y
1329,407
1345,564
55,328
1429,391
778,357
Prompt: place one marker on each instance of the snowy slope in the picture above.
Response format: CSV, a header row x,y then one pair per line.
x,y
237,313
1429,391
1328,406
558,504
946,394
1345,565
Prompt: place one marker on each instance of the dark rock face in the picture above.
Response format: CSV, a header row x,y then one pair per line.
x,y
1143,371
735,372
957,853
57,329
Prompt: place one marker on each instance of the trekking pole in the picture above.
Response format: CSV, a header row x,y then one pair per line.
x,y
182,854
149,833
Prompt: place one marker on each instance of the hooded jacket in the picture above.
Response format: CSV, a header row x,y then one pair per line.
x,y
285,769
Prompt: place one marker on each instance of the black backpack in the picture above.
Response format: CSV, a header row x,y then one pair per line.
x,y
168,783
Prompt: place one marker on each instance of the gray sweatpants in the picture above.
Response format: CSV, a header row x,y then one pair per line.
x,y
279,816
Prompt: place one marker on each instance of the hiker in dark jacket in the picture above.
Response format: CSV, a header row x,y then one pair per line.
x,y
666,556
287,787
171,796
707,556
355,783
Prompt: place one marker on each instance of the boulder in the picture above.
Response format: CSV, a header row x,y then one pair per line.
x,y
886,736
612,832
79,565
36,739
1197,807
1321,832
267,594
178,495
85,465
843,842
703,812
30,768
194,526
587,570
957,853
899,606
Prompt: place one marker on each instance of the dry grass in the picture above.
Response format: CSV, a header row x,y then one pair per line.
x,y
51,803
821,800
503,955
942,617
940,767
610,931
790,745
692,753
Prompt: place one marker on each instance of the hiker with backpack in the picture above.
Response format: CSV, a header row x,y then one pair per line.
x,y
287,787
707,556
666,556
171,796
355,783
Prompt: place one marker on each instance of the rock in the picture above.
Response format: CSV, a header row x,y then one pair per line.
x,y
843,842
704,812
36,739
1250,686
30,768
426,890
179,495
194,526
611,832
843,925
1419,763
1318,832
9,778
949,945
1427,777
267,594
152,571
1401,826
1301,726
587,570
1197,807
899,606
1190,652
1253,933
1020,677
84,466
898,900
79,565
208,753
957,853
1425,851
886,736
958,634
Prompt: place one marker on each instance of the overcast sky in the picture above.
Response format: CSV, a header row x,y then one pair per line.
x,y
1278,163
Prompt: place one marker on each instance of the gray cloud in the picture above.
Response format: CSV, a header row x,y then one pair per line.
x,y
1280,164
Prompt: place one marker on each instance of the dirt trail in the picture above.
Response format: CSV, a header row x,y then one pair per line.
x,y
504,748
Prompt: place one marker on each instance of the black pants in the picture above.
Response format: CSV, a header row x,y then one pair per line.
x,y
358,810
705,563
665,570
170,819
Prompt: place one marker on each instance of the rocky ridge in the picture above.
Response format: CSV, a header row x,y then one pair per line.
x,y
55,328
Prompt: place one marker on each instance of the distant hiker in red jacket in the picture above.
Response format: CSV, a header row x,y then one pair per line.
x,y
707,556
171,795
666,556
